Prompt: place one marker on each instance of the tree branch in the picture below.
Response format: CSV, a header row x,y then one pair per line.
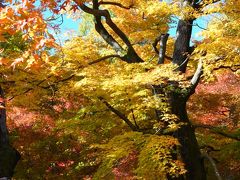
x,y
100,28
208,148
210,159
196,77
216,131
29,89
104,58
162,50
58,81
119,114
116,4
154,45
131,56
200,27
197,74
233,68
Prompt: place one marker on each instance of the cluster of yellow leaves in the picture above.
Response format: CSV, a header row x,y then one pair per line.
x,y
127,87
184,9
81,50
130,87
150,20
222,39
154,155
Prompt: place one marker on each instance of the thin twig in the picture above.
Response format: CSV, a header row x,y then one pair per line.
x,y
119,114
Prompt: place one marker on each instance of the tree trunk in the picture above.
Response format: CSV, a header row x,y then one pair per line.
x,y
182,44
163,46
9,156
190,152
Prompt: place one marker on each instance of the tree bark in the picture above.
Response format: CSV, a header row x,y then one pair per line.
x,y
182,44
163,46
189,150
3,128
9,156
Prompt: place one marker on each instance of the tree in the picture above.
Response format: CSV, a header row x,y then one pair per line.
x,y
21,45
149,98
177,96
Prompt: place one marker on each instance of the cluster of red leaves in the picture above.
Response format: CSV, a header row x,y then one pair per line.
x,y
226,82
123,170
60,165
45,148
19,117
69,104
215,103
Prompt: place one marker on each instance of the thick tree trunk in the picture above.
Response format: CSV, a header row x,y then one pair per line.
x,y
182,44
9,156
190,152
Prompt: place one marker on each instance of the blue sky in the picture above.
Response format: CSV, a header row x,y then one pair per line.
x,y
69,24
71,27
198,25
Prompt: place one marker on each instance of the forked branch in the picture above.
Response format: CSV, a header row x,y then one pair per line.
x,y
131,55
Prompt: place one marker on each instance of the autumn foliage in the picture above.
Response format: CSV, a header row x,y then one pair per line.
x,y
122,99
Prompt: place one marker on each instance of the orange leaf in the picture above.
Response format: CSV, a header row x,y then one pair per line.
x,y
2,100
